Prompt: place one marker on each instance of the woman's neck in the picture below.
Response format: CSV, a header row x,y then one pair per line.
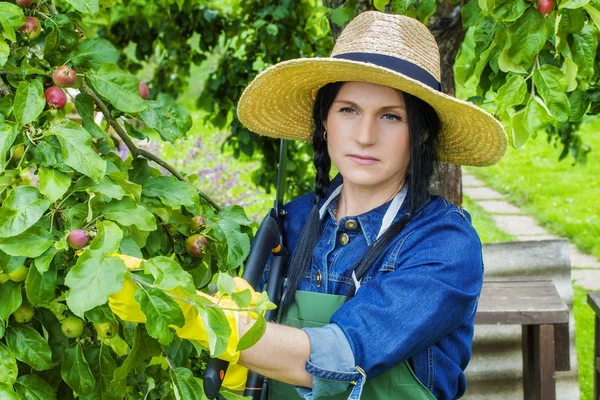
x,y
356,200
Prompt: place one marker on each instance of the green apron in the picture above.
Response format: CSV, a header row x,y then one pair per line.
x,y
314,310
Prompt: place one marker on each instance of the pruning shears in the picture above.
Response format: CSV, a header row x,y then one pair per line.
x,y
269,240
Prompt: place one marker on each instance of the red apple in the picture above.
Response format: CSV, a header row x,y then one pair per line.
x,y
24,3
545,6
64,76
78,238
195,245
143,88
55,97
31,29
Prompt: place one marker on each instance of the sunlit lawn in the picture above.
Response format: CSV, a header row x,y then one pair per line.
x,y
563,198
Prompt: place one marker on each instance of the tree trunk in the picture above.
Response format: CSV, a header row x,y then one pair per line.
x,y
446,26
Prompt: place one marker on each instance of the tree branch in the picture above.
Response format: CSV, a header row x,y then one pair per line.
x,y
135,151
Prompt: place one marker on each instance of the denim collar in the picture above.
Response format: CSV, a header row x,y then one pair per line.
x,y
369,222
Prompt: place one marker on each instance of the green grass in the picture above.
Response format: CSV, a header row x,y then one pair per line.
x,y
484,224
584,341
562,197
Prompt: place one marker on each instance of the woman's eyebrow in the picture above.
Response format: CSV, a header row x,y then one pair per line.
x,y
353,104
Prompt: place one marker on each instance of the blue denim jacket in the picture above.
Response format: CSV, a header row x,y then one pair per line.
x,y
416,303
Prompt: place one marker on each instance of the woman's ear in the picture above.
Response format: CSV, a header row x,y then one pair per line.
x,y
325,125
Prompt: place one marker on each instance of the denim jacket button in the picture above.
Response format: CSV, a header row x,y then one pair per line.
x,y
351,224
344,239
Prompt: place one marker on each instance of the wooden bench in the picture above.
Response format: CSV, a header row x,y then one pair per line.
x,y
534,304
593,299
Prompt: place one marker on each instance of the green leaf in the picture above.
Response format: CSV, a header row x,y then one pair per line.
x,y
160,119
253,335
32,243
131,188
106,187
41,288
128,212
536,116
380,4
226,284
143,348
238,244
341,15
573,4
235,214
84,104
8,365
570,69
161,311
85,6
103,367
168,274
594,14
23,207
10,299
100,314
118,87
4,52
518,130
76,372
33,387
168,118
511,93
11,19
96,274
92,53
185,385
53,183
549,82
8,134
527,37
426,9
28,346
171,191
242,299
215,324
42,263
29,101
6,391
584,51
77,149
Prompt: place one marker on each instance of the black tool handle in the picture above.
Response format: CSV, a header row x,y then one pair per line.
x,y
267,237
255,382
213,377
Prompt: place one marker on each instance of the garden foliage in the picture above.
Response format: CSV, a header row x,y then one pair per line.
x,y
70,205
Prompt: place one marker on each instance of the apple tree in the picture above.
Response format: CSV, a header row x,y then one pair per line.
x,y
77,219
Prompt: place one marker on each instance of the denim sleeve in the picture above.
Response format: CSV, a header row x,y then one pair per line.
x,y
331,363
432,291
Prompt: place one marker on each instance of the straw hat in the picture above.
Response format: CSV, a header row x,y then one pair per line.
x,y
384,49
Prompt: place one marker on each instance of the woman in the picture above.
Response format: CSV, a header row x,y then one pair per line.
x,y
411,263
383,283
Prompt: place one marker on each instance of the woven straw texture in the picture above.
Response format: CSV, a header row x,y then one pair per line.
x,y
279,101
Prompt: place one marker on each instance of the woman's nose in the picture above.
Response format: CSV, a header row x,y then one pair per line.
x,y
366,132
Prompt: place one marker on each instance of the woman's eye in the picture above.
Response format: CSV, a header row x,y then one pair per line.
x,y
392,117
346,110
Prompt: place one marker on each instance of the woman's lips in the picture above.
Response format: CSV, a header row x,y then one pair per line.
x,y
362,160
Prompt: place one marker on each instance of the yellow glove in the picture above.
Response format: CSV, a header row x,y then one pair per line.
x,y
123,304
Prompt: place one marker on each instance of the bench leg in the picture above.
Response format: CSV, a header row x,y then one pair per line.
x,y
597,359
539,381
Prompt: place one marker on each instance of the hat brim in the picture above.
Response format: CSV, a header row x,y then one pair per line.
x,y
279,103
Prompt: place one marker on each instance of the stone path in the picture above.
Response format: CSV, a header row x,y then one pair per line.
x,y
585,268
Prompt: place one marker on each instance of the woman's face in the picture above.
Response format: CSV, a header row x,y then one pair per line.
x,y
367,136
